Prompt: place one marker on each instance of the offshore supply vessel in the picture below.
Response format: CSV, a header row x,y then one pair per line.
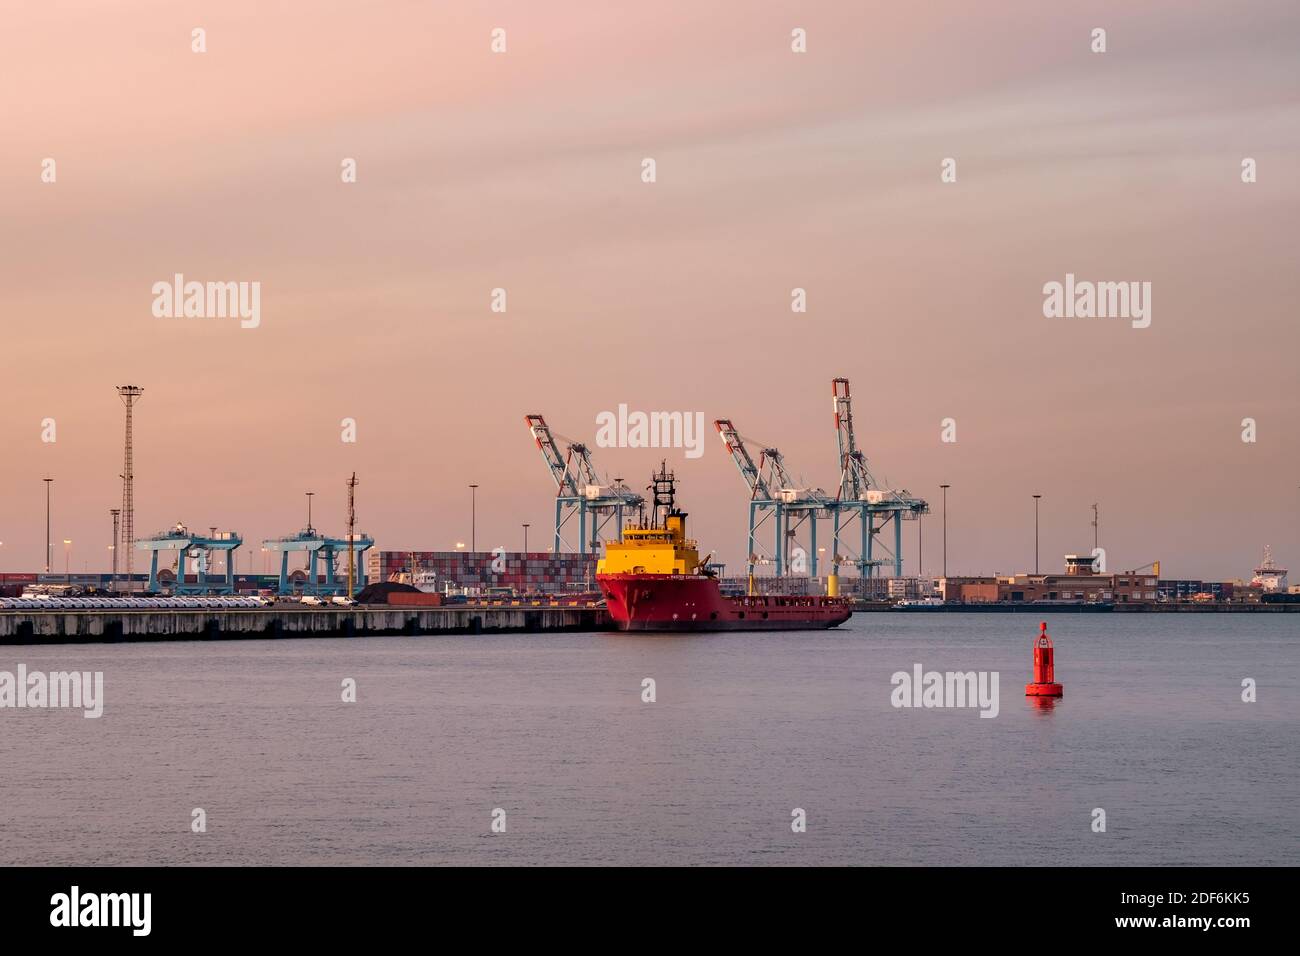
x,y
653,580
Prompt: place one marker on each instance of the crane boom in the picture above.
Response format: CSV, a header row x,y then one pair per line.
x,y
855,479
556,463
758,488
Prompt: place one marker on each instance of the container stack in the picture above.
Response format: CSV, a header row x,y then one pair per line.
x,y
531,572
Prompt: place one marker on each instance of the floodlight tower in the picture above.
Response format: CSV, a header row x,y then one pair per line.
x,y
130,394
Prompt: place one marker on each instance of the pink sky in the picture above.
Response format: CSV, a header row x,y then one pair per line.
x,y
775,170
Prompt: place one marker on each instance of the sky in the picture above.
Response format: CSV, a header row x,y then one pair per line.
x,y
774,170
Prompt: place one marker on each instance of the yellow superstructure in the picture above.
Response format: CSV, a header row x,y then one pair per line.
x,y
664,550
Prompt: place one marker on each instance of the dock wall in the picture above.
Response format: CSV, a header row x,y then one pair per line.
x,y
78,626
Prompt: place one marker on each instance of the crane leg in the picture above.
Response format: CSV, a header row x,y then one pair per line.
x,y
898,544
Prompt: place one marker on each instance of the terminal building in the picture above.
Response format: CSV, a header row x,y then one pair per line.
x,y
1079,583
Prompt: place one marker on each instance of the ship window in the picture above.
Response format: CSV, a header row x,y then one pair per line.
x,y
740,614
713,616
765,615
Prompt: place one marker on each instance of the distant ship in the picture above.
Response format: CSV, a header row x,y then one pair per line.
x,y
916,604
653,580
1268,576
426,581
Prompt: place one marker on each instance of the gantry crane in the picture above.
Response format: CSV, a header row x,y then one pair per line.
x,y
578,488
199,548
772,492
322,553
859,495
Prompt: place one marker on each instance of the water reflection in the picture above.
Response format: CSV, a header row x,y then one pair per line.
x,y
1042,704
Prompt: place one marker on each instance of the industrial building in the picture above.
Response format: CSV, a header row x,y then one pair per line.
x,y
1081,583
969,590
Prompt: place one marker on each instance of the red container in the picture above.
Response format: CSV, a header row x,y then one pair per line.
x,y
415,599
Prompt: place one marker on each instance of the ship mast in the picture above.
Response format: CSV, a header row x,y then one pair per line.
x,y
663,487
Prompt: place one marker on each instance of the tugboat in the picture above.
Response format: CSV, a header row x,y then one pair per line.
x,y
653,580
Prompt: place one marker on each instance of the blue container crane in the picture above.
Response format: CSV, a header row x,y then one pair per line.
x,y
319,549
201,548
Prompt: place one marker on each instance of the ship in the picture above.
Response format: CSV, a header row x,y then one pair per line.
x,y
920,604
1268,576
652,579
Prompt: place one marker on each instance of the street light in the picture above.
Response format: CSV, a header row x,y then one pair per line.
x,y
525,537
920,567
117,514
67,560
49,548
310,530
1036,497
473,517
945,528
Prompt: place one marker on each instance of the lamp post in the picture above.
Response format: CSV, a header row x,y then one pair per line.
x,y
525,537
920,567
116,513
473,517
310,530
67,560
1036,497
945,528
49,548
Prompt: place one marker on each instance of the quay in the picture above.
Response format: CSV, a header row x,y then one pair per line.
x,y
77,626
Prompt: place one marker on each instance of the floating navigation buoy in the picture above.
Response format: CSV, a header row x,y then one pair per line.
x,y
1044,684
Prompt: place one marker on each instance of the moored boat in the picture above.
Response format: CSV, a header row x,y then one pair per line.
x,y
653,580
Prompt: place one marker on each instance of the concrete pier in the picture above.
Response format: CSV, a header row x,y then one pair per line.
x,y
82,626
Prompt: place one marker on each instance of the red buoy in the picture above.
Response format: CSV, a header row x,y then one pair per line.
x,y
1044,684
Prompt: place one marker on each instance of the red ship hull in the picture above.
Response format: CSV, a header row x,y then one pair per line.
x,y
673,602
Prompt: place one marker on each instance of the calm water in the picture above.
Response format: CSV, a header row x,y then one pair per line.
x,y
745,728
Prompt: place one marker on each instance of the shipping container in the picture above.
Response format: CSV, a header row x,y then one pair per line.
x,y
414,599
